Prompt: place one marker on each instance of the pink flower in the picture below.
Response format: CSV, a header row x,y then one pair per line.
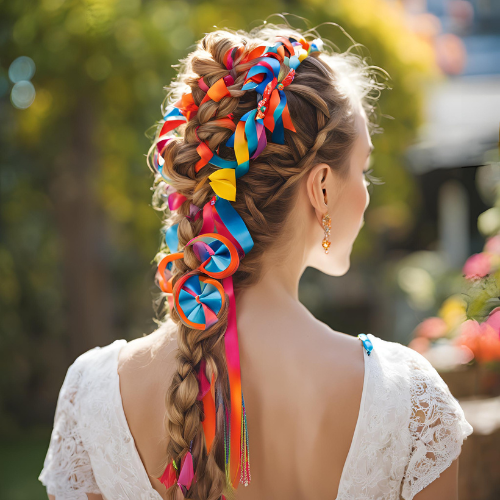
x,y
477,266
432,328
493,245
482,339
494,319
469,335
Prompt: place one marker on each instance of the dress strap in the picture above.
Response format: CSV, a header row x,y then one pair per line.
x,y
367,344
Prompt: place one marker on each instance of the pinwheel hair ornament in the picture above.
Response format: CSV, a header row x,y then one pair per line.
x,y
198,300
199,295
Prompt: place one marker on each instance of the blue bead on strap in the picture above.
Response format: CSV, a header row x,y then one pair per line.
x,y
367,344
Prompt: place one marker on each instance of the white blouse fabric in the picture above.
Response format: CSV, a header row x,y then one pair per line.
x,y
409,430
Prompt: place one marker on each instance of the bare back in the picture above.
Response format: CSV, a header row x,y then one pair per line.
x,y
302,384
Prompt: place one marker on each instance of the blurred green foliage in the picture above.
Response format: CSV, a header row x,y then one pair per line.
x,y
77,232
21,460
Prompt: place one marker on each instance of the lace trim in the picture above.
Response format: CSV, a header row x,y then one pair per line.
x,y
106,433
437,426
375,464
67,471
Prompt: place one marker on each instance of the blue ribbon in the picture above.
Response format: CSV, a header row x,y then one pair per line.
x,y
220,260
251,137
367,344
234,223
171,238
174,113
278,136
221,163
257,70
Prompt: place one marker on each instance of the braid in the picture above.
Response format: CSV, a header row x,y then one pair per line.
x,y
320,108
183,423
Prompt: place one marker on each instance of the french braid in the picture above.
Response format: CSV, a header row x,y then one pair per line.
x,y
320,100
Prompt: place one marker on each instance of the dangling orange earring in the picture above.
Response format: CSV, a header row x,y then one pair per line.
x,y
327,225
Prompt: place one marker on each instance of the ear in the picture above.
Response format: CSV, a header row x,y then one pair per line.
x,y
317,188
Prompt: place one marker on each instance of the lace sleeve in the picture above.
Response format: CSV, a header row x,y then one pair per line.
x,y
67,472
437,427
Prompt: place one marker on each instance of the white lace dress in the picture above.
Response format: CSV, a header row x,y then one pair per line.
x,y
409,430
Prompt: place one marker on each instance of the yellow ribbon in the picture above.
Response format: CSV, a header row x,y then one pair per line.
x,y
302,54
224,183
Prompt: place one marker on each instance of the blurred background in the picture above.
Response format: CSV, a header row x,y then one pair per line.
x,y
81,82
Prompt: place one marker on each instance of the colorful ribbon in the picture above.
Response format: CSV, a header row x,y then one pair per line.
x,y
207,395
171,238
223,183
219,258
234,373
174,201
224,239
207,155
186,474
197,298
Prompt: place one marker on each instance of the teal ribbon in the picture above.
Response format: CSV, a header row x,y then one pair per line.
x,y
367,344
234,224
171,238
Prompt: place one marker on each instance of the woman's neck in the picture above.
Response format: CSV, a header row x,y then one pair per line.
x,y
274,286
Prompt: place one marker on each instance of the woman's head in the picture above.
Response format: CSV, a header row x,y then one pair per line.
x,y
344,200
330,102
281,199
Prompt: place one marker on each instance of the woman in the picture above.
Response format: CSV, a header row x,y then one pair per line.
x,y
262,157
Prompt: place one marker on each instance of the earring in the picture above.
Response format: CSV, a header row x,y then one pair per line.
x,y
327,225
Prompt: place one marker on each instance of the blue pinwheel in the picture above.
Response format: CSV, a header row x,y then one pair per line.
x,y
198,299
219,257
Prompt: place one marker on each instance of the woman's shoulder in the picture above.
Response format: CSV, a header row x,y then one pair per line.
x,y
415,368
86,369
148,351
96,356
409,373
336,358
431,419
